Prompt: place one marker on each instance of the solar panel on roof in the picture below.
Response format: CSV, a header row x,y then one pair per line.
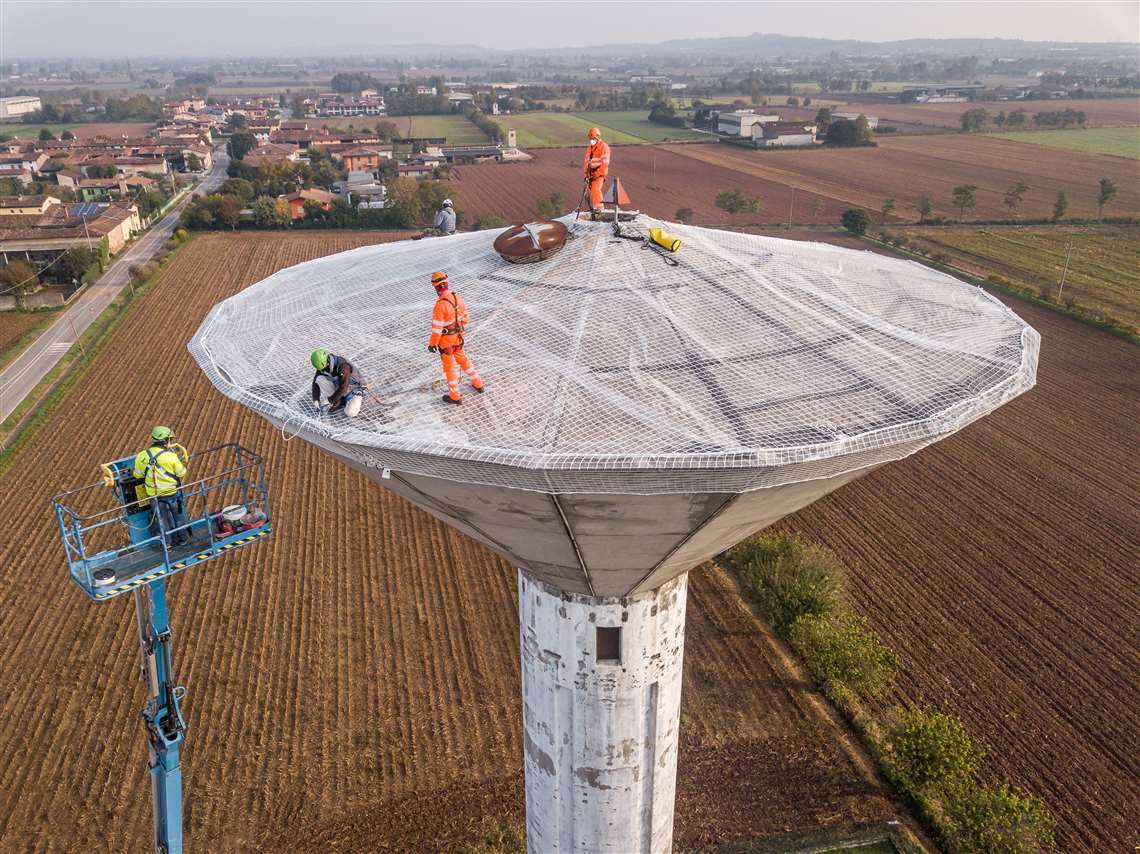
x,y
86,210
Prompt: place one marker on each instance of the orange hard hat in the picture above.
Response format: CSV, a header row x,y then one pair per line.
x,y
595,133
439,280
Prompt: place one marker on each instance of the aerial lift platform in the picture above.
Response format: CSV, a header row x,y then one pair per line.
x,y
115,545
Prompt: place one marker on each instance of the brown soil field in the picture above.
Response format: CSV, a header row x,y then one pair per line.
x,y
511,190
1101,112
353,682
905,167
1001,565
112,129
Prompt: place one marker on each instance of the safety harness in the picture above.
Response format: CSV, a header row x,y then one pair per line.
x,y
154,464
455,328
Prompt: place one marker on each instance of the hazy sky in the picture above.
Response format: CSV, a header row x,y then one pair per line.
x,y
231,28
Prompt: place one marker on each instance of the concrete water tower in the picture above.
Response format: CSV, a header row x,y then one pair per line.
x,y
640,418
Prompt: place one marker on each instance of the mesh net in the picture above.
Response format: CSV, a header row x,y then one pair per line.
x,y
754,361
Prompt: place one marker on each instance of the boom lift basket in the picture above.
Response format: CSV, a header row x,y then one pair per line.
x,y
114,544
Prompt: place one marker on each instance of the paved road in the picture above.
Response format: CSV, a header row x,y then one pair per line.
x,y
25,372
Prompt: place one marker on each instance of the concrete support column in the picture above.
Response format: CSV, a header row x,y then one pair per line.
x,y
601,681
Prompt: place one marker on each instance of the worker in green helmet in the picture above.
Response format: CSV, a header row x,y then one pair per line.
x,y
162,468
337,385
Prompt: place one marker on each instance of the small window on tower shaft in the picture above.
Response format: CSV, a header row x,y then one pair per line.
x,y
609,645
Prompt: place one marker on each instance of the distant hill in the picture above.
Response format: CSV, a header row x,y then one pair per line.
x,y
775,46
768,46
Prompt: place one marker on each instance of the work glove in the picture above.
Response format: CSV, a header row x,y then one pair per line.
x,y
432,348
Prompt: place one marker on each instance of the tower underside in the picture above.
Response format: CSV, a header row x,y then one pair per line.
x,y
597,544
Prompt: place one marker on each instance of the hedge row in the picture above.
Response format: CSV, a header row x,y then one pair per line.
x,y
800,589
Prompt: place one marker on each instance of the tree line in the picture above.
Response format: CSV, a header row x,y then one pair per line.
x,y
976,118
964,197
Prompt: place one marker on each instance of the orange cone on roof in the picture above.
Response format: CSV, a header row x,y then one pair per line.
x,y
616,194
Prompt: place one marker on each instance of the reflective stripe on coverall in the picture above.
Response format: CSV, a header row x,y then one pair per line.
x,y
448,320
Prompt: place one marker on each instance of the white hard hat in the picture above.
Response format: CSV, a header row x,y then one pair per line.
x,y
446,202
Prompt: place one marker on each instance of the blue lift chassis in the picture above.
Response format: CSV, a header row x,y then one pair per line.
x,y
115,544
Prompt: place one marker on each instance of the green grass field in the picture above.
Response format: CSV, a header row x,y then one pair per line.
x,y
556,130
21,131
636,123
1104,267
1119,142
456,129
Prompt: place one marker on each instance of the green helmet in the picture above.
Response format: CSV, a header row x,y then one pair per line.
x,y
161,434
320,359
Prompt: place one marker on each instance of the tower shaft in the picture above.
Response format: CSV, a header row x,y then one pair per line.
x,y
601,681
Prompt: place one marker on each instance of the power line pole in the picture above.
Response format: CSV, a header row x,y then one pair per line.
x,y
791,204
1065,272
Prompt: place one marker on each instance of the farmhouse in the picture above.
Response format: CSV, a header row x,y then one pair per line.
x,y
781,134
141,165
478,153
415,170
297,201
361,159
271,152
365,187
872,121
40,239
740,122
33,161
26,205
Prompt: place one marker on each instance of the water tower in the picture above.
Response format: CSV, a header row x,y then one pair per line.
x,y
641,416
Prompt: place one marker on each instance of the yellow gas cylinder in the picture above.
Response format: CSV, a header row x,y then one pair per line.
x,y
668,241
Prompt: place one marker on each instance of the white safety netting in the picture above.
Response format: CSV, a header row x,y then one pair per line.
x,y
755,361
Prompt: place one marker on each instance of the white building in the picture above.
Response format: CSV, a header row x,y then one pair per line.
x,y
781,135
11,108
872,121
740,122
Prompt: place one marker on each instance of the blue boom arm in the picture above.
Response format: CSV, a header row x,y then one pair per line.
x,y
162,719
116,545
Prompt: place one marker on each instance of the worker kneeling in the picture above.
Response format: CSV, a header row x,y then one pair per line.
x,y
448,322
337,385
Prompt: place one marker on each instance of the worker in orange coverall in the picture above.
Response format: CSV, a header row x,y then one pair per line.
x,y
595,167
448,320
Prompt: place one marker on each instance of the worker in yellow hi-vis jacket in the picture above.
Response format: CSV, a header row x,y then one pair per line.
x,y
161,470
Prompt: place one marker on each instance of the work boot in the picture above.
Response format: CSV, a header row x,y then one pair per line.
x,y
447,398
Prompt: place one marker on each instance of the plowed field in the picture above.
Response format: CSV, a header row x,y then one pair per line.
x,y
1001,564
905,167
658,179
353,681
1106,112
